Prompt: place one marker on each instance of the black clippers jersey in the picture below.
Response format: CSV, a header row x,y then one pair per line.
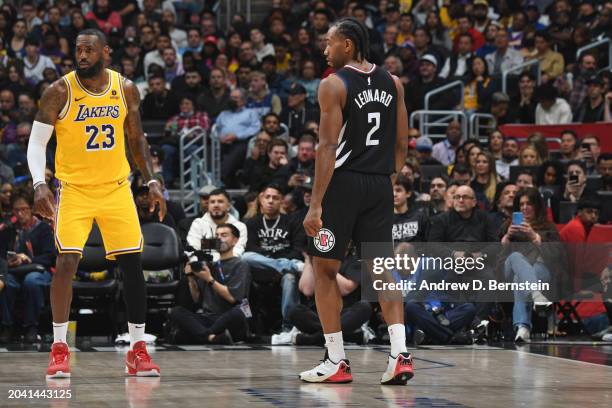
x,y
369,121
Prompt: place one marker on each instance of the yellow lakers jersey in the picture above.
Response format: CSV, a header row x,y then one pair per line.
x,y
89,132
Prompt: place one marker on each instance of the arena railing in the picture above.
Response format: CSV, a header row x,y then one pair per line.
x,y
597,44
519,68
429,126
197,166
444,88
476,126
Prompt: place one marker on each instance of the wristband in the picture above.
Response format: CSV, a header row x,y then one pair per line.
x,y
38,183
152,181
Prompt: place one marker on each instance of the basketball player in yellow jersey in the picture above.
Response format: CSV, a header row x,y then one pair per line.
x,y
89,109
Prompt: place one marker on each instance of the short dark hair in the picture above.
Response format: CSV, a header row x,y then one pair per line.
x,y
460,169
546,92
273,186
591,136
220,191
589,201
528,172
543,35
96,33
569,132
307,137
578,163
267,115
277,142
404,182
232,227
604,156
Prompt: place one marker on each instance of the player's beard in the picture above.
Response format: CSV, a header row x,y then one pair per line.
x,y
92,71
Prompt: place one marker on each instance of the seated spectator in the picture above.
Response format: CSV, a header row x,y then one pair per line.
x,y
457,318
523,105
189,84
529,156
575,185
354,314
187,118
500,109
276,242
260,47
424,147
456,66
587,215
6,209
445,151
604,169
504,57
260,98
173,67
178,36
551,62
16,152
530,263
495,141
426,81
143,207
257,156
276,169
569,145
234,129
592,108
302,166
465,25
185,224
479,87
105,17
409,221
503,203
551,110
218,213
298,110
572,86
461,175
155,56
590,149
473,149
485,180
525,178
33,245
160,103
8,116
218,292
34,62
194,41
310,80
437,193
216,97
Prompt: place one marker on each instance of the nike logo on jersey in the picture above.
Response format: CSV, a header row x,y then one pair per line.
x,y
78,99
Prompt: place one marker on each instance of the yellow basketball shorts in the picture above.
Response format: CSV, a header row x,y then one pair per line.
x,y
110,205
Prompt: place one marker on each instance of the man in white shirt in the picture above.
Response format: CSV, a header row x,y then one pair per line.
x,y
155,56
178,36
551,110
510,150
456,65
218,214
504,57
35,63
444,151
259,46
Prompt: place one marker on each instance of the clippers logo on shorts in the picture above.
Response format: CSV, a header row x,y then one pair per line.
x,y
325,240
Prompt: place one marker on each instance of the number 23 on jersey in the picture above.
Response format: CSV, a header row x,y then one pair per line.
x,y
108,142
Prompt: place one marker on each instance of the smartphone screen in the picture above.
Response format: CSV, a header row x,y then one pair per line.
x,y
517,218
573,178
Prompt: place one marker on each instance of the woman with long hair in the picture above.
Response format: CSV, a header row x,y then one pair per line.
x,y
439,33
16,44
478,90
495,143
472,153
16,78
529,156
550,176
485,180
538,141
529,258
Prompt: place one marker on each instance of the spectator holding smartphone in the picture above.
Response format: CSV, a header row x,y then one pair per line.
x,y
590,148
576,181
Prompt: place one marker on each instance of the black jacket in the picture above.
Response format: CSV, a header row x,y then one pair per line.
x,y
283,240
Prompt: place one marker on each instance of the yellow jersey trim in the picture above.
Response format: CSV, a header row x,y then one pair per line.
x,y
66,107
84,89
122,91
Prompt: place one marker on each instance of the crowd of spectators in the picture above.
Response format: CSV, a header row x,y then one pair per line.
x,y
254,88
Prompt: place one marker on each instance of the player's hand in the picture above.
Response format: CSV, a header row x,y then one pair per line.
x,y
44,202
312,222
157,197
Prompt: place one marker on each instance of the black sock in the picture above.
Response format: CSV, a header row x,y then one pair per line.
x,y
134,287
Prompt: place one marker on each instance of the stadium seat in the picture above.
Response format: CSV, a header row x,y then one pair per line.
x,y
567,210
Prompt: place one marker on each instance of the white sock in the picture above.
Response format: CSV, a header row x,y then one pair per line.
x,y
335,346
397,336
137,332
59,332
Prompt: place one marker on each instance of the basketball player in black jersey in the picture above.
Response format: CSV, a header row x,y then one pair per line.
x,y
363,141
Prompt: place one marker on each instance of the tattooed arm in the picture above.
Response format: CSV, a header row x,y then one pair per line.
x,y
139,148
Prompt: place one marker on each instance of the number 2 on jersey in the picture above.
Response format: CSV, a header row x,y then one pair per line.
x,y
376,117
109,141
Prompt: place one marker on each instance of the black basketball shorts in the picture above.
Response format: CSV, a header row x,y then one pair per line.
x,y
357,207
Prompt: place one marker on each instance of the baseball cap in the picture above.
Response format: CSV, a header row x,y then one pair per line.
x,y
297,89
430,58
211,39
410,45
424,144
481,3
206,190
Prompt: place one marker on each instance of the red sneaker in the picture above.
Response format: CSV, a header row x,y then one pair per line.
x,y
399,370
138,362
59,361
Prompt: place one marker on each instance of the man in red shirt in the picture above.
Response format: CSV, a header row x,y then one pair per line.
x,y
464,25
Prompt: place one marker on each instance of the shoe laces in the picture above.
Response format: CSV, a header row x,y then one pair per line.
x,y
59,355
142,354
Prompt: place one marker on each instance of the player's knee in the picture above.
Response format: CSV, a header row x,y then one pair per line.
x,y
67,264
